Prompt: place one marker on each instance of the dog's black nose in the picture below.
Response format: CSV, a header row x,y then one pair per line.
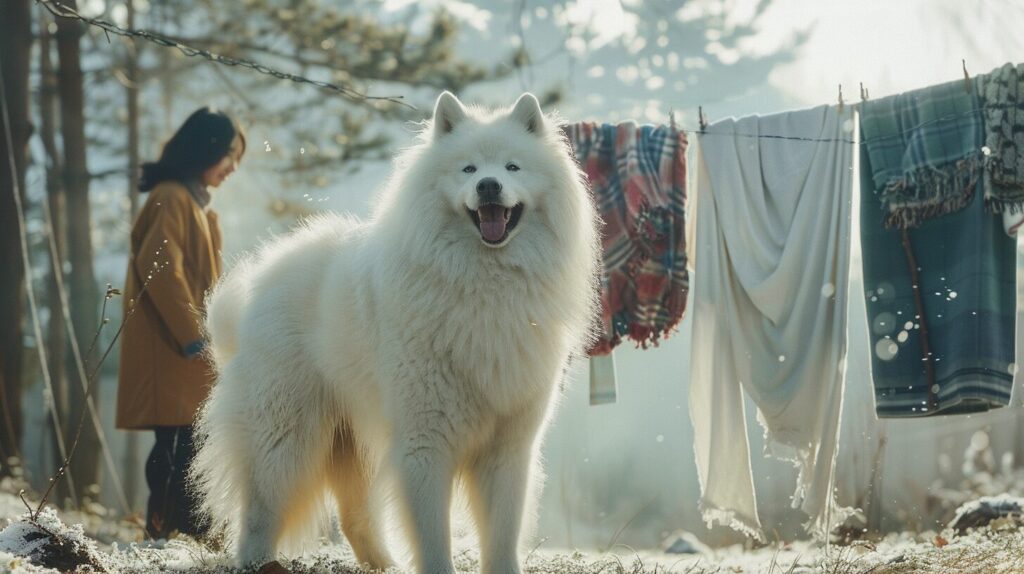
x,y
488,189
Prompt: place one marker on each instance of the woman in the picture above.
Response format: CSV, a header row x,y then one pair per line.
x,y
174,260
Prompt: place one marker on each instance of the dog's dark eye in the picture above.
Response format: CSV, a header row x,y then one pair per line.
x,y
469,169
511,167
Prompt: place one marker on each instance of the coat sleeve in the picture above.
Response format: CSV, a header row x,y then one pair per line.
x,y
160,264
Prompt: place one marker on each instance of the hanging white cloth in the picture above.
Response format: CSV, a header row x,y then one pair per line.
x,y
769,315
603,382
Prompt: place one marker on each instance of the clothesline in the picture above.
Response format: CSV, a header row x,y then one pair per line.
x,y
966,113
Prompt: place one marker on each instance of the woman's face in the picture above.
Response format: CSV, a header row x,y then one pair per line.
x,y
218,172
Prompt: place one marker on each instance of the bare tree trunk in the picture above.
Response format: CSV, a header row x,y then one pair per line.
x,y
167,93
56,337
84,293
132,93
15,46
130,460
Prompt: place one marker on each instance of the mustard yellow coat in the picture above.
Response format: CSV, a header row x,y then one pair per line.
x,y
174,261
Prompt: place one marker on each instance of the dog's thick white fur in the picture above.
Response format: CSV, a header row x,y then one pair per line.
x,y
415,344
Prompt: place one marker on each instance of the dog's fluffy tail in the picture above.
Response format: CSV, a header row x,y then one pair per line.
x,y
223,473
224,307
220,468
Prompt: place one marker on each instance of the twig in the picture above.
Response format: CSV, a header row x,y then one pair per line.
x,y
103,320
691,568
21,495
534,549
622,528
89,388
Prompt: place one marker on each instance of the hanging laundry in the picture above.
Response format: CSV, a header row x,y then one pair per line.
x,y
1002,98
924,149
638,177
1002,101
603,383
941,299
770,299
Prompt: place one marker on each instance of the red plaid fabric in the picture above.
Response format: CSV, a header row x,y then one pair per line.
x,y
638,178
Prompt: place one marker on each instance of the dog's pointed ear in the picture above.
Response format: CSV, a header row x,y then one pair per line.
x,y
448,112
527,112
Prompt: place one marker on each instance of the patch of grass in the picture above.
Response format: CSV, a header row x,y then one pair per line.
x,y
988,553
999,551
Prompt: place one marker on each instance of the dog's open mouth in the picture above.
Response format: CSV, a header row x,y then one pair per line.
x,y
495,221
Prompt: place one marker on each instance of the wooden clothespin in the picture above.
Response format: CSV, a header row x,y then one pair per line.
x,y
863,93
840,98
702,119
967,77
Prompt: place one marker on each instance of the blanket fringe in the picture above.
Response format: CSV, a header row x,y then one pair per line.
x,y
1002,205
645,334
931,192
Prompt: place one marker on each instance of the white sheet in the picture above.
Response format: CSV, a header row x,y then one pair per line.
x,y
769,307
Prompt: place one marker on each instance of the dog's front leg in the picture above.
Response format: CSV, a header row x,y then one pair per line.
x,y
498,487
425,475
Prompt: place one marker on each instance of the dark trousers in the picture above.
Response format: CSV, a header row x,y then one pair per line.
x,y
172,505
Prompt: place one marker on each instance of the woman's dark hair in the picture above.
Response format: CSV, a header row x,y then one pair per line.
x,y
202,141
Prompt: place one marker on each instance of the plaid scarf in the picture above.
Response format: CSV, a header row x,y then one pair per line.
x,y
638,178
1002,96
924,147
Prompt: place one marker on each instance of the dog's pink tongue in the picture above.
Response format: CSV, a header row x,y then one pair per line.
x,y
492,222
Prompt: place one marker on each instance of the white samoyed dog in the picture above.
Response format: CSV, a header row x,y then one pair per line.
x,y
425,344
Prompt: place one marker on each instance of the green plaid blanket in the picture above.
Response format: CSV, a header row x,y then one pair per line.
x,y
1002,97
924,147
967,282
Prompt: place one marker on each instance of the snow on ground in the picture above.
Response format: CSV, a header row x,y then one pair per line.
x,y
118,548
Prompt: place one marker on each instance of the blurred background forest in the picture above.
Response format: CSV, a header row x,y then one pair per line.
x,y
83,107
